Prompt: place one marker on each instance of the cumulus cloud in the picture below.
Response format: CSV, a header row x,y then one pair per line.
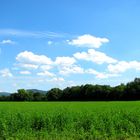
x,y
123,66
31,58
88,41
6,73
42,63
94,56
8,41
66,66
31,61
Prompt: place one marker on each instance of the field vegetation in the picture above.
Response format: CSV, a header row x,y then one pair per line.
x,y
69,120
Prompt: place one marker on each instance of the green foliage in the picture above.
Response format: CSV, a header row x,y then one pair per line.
x,y
88,92
54,94
69,120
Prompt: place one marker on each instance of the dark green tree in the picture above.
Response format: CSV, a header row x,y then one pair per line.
x,y
54,94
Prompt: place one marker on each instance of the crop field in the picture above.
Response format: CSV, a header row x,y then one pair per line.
x,y
69,120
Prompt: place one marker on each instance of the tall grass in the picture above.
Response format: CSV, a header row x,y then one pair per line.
x,y
69,120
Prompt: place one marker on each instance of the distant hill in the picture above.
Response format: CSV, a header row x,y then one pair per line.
x,y
4,93
37,90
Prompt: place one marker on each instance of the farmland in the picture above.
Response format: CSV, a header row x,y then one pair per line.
x,y
69,120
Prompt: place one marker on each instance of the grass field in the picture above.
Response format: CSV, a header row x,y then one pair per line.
x,y
69,120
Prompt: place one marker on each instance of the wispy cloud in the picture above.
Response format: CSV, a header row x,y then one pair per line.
x,y
46,73
6,73
25,72
35,34
100,75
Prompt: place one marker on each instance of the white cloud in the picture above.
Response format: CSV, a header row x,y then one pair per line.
x,y
123,66
91,71
100,75
27,57
106,75
28,66
66,70
66,66
135,65
64,61
88,41
57,80
31,61
6,73
46,67
52,80
39,63
25,72
46,73
8,41
94,56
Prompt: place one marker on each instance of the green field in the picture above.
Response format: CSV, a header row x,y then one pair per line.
x,y
69,120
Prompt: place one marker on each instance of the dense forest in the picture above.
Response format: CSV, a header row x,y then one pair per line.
x,y
88,92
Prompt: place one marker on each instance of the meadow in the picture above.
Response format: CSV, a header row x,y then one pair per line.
x,y
69,120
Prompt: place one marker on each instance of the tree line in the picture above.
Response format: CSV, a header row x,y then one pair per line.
x,y
88,92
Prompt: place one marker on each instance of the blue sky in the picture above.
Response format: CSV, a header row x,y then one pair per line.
x,y
60,43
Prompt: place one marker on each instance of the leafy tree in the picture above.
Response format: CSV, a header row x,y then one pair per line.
x,y
88,92
54,94
38,97
133,90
